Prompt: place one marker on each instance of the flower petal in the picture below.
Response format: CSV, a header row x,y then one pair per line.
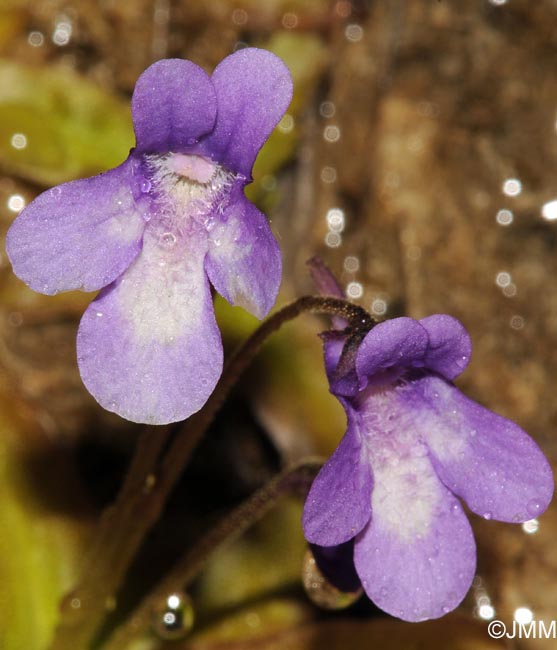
x,y
253,88
450,347
173,105
338,504
417,557
244,261
79,235
482,457
400,342
148,347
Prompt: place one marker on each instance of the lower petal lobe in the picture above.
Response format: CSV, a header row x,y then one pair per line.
x,y
148,347
418,562
482,457
244,262
338,504
79,235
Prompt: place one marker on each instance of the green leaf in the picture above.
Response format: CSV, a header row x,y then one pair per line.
x,y
39,546
56,126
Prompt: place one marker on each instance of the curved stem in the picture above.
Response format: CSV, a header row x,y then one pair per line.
x,y
142,499
293,480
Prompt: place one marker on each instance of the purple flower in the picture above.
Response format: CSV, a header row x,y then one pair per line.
x,y
154,232
414,443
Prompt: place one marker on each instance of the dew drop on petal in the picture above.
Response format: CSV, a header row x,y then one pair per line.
x,y
320,591
487,515
533,507
145,186
209,223
168,238
172,618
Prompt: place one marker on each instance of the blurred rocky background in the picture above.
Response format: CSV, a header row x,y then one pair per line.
x,y
419,159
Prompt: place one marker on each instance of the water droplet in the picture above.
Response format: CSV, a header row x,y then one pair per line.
x,y
487,515
172,618
320,591
145,186
99,314
533,507
446,609
56,192
168,238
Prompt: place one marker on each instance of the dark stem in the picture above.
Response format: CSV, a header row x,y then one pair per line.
x,y
293,480
149,483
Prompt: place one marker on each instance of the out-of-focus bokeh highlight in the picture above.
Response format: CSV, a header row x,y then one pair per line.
x,y
419,159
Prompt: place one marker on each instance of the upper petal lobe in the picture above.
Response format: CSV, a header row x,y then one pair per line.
x,y
449,347
79,235
253,89
401,342
173,105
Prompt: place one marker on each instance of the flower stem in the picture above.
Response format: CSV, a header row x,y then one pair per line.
x,y
295,479
149,483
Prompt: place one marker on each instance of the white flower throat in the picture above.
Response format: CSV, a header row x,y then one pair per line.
x,y
187,190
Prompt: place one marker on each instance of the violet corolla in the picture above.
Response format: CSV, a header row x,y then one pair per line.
x,y
156,231
414,444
